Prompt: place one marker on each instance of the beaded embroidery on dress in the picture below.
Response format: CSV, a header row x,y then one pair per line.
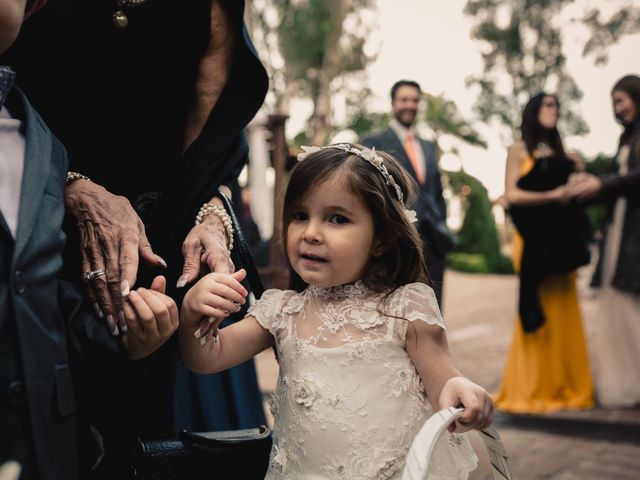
x,y
349,401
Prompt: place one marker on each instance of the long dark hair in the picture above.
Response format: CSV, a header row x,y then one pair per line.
x,y
533,132
630,84
403,260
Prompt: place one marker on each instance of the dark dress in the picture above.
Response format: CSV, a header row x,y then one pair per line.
x,y
556,236
118,100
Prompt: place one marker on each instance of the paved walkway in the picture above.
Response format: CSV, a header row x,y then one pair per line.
x,y
595,444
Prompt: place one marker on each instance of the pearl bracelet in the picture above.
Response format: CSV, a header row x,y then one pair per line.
x,y
221,213
71,176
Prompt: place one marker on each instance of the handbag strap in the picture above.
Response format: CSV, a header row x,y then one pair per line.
x,y
229,438
419,456
241,249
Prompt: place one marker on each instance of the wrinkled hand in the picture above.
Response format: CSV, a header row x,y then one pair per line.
x,y
205,247
112,238
478,406
151,318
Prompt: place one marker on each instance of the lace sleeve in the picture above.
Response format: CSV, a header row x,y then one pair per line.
x,y
268,310
418,302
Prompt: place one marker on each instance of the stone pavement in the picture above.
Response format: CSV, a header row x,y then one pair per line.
x,y
596,444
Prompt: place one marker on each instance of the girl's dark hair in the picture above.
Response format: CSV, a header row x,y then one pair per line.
x,y
403,260
630,84
533,132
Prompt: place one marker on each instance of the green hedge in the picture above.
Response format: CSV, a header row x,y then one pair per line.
x,y
478,248
597,212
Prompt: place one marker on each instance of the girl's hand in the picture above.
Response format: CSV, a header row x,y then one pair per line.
x,y
478,406
214,297
151,318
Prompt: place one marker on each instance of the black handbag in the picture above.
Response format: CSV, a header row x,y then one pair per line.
x,y
205,456
242,454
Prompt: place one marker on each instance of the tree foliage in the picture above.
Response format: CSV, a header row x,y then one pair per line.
x,y
443,117
318,46
607,32
521,39
478,238
524,39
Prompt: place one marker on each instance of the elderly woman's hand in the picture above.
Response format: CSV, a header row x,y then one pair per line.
x,y
205,249
112,239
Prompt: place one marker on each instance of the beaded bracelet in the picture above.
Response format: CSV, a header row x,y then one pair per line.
x,y
221,213
71,176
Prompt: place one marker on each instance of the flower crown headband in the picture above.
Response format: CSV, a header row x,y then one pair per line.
x,y
372,157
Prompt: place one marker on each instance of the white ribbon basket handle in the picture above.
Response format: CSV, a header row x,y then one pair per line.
x,y
419,456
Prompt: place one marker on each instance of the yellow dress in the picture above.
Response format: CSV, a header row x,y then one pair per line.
x,y
548,370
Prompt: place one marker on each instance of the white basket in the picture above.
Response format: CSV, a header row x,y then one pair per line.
x,y
417,463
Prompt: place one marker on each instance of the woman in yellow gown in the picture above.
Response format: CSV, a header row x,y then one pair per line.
x,y
547,367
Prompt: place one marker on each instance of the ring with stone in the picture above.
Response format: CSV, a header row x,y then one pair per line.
x,y
92,275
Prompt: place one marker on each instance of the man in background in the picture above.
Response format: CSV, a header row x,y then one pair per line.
x,y
419,157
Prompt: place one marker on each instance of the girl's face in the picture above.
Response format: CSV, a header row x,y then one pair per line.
x,y
331,236
548,114
623,107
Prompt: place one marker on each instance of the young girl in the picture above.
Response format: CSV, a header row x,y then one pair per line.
x,y
359,337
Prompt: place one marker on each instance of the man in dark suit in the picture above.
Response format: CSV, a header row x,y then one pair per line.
x,y
37,402
44,322
419,157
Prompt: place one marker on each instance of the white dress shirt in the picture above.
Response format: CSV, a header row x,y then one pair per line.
x,y
11,168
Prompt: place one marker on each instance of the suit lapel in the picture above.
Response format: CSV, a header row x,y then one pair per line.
x,y
37,163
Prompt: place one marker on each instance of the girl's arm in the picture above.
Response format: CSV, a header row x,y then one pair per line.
x,y
236,343
516,154
445,386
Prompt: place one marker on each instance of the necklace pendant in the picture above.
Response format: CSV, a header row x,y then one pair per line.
x,y
120,20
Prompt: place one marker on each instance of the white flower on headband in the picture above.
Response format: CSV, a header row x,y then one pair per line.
x,y
410,215
307,151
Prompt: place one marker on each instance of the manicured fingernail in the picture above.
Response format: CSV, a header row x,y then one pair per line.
x,y
210,320
182,281
203,340
124,288
96,307
111,324
161,260
122,322
197,333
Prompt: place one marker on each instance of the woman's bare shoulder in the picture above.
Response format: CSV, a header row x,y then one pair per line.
x,y
517,148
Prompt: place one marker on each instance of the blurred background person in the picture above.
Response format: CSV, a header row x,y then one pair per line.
x,y
616,340
419,158
547,367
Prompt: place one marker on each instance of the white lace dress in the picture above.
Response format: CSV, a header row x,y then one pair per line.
x,y
349,400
